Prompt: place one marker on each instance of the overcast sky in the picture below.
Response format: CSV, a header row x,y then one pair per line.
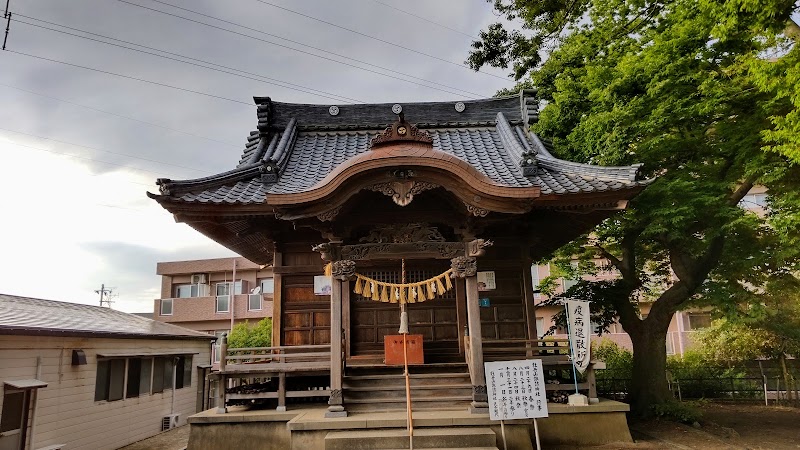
x,y
80,148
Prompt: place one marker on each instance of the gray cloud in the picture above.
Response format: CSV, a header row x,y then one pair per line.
x,y
131,265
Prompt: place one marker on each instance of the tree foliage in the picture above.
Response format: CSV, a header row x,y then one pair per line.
x,y
671,85
259,335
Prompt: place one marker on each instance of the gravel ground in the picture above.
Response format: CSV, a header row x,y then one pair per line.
x,y
724,426
174,439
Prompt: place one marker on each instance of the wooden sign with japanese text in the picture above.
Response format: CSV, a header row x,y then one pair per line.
x,y
516,389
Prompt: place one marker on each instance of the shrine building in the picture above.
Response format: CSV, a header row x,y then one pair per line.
x,y
439,208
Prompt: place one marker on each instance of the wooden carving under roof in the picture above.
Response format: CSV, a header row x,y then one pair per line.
x,y
401,131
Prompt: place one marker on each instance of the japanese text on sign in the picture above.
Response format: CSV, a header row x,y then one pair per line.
x,y
516,389
580,330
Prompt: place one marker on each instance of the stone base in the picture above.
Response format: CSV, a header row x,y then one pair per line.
x,y
335,411
280,409
578,400
478,408
306,427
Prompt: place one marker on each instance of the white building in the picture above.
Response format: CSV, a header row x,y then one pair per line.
x,y
85,377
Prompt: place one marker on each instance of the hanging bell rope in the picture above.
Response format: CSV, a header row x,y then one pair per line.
x,y
419,291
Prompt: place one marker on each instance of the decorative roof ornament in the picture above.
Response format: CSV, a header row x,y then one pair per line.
x,y
401,131
333,110
396,108
460,107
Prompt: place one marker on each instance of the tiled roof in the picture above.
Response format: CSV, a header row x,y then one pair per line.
x,y
33,316
299,145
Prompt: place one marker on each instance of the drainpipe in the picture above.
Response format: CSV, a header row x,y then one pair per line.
x,y
174,383
35,402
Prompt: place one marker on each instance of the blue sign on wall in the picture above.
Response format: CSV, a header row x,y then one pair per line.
x,y
483,303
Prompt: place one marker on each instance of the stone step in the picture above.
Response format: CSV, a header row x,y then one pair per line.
x,y
359,388
436,437
429,392
399,380
389,376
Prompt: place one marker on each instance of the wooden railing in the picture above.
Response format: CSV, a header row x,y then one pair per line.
x,y
550,351
296,358
554,354
246,364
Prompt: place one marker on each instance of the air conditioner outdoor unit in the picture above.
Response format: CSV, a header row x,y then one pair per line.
x,y
169,422
199,278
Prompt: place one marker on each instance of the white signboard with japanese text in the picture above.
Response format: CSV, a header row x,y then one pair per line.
x,y
486,281
516,389
580,331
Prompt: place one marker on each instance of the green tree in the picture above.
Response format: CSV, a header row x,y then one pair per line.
x,y
767,327
259,335
659,83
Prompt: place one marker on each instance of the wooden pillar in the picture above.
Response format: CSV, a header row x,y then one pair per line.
x,y
466,267
341,271
281,392
222,381
346,319
277,301
461,314
530,301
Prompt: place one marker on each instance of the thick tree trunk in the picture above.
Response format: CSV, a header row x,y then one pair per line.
x,y
649,384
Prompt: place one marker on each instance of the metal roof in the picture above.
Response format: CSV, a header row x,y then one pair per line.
x,y
33,316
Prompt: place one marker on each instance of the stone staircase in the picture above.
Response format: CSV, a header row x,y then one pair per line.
x,y
383,388
473,438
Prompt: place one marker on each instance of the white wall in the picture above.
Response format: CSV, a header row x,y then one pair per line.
x,y
67,413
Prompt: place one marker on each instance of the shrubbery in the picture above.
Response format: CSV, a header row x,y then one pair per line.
x,y
243,335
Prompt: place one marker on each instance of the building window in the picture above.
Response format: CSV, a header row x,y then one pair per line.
x,y
166,307
144,376
225,288
14,405
540,328
190,290
267,286
254,302
699,320
223,303
535,281
750,201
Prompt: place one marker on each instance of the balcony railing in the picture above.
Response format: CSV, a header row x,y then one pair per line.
x,y
192,309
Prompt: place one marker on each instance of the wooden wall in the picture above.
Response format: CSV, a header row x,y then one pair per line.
x,y
67,412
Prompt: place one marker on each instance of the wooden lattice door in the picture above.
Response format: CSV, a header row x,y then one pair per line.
x,y
436,320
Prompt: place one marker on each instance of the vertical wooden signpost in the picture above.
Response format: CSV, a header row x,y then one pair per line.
x,y
516,390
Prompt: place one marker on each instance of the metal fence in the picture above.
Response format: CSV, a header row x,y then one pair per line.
x,y
721,388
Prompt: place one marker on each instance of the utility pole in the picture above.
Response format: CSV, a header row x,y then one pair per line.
x,y
7,16
105,295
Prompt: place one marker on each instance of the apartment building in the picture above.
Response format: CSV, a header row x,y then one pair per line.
x,y
679,334
212,295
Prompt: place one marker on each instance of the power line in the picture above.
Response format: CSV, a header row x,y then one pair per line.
x,y
132,78
119,115
378,39
260,78
88,159
425,19
297,49
323,50
105,151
